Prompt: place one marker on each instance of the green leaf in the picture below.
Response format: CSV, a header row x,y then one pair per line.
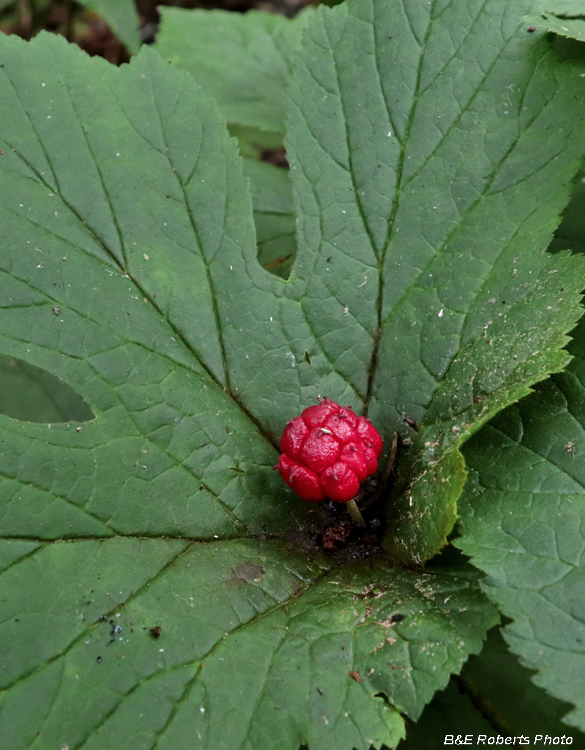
x,y
501,688
124,203
522,519
493,696
568,22
122,17
566,18
274,216
256,648
34,395
426,513
152,371
433,190
242,60
570,234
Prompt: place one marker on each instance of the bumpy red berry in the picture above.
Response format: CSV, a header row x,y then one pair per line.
x,y
327,452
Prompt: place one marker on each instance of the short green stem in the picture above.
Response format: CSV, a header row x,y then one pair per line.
x,y
355,514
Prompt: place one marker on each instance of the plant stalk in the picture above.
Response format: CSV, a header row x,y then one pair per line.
x,y
355,514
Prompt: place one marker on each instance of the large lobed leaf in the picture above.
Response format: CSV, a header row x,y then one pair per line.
x,y
121,247
523,524
423,144
129,271
257,648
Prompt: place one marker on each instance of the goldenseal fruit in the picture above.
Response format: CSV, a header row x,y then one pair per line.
x,y
327,452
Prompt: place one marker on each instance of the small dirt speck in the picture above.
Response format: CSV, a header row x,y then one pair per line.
x,y
155,632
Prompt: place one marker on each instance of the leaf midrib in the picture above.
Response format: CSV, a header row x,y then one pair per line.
x,y
396,201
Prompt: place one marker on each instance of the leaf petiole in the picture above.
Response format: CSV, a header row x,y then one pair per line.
x,y
355,514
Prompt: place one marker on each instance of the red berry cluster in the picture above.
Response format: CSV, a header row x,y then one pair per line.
x,y
327,452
